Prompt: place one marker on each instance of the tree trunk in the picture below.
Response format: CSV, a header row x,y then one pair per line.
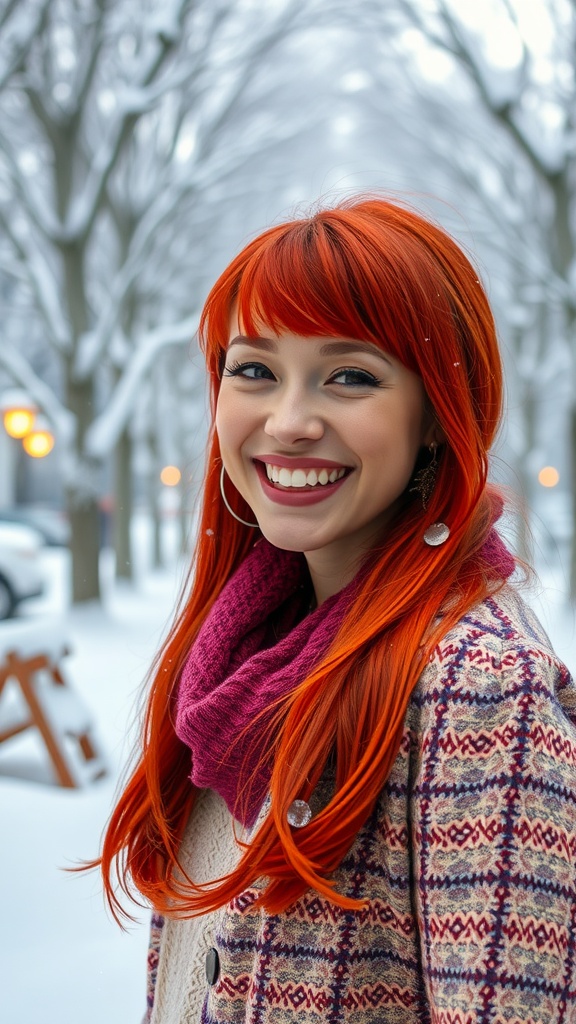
x,y
525,478
564,254
123,507
85,548
82,502
155,516
573,535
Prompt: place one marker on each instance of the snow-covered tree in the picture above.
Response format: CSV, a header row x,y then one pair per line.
x,y
520,60
499,215
118,120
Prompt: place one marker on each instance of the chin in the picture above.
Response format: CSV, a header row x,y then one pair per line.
x,y
285,539
279,540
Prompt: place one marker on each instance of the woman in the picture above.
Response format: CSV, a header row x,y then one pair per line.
x,y
355,799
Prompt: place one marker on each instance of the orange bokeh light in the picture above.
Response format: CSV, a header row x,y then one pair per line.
x,y
38,443
18,422
170,476
548,476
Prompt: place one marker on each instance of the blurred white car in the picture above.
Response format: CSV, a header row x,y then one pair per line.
x,y
50,523
20,566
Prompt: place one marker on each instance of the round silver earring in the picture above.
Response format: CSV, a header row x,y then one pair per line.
x,y
436,534
227,503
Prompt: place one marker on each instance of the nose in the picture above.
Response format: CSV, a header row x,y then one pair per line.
x,y
293,417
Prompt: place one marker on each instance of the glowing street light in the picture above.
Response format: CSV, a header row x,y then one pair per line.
x,y
19,412
39,442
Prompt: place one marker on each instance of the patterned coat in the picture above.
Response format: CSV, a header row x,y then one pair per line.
x,y
467,863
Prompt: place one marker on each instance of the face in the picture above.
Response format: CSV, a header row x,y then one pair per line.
x,y
320,436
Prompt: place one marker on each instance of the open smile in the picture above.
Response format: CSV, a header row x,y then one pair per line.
x,y
307,483
303,477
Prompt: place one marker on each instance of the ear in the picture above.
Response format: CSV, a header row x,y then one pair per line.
x,y
432,431
434,435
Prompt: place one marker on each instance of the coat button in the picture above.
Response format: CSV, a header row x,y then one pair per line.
x,y
212,966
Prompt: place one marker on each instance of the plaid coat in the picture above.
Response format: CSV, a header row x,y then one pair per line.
x,y
467,864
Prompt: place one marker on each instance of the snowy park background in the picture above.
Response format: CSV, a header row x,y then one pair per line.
x,y
142,142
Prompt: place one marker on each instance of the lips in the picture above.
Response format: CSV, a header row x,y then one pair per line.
x,y
299,482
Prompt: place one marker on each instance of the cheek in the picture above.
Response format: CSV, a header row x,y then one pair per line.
x,y
397,434
230,422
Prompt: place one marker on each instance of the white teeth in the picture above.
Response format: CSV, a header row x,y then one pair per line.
x,y
300,477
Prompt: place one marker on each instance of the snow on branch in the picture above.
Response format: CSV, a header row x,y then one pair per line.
x,y
137,99
167,200
106,429
41,281
30,25
167,22
501,87
500,90
36,210
22,373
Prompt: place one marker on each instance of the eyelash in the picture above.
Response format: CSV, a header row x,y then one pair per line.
x,y
238,369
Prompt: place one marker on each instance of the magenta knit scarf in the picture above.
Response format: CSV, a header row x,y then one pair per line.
x,y
256,645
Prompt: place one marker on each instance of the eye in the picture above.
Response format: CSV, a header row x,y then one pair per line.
x,y
248,371
350,377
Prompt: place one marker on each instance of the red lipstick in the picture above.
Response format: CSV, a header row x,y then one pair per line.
x,y
293,496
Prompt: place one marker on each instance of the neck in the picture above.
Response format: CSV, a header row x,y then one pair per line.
x,y
328,576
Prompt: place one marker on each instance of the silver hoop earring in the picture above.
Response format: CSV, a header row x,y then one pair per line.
x,y
226,502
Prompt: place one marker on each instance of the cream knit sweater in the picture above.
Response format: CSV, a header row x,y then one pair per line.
x,y
181,979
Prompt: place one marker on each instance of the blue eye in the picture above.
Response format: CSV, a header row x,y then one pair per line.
x,y
250,371
355,378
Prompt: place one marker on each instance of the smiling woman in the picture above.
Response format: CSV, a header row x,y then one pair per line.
x,y
322,450
355,790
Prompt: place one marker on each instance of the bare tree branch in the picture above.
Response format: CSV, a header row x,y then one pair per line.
x,y
105,431
41,282
32,28
21,372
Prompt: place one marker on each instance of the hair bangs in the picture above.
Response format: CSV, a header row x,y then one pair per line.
x,y
298,284
318,279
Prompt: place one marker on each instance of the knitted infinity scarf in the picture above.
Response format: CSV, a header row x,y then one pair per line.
x,y
256,645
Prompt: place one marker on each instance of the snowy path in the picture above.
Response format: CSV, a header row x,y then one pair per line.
x,y
63,960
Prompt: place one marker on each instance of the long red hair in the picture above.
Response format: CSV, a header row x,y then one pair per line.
x,y
372,270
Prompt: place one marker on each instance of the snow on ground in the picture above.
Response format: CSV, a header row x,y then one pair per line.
x,y
64,960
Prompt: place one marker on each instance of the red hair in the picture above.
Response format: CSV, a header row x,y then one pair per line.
x,y
370,270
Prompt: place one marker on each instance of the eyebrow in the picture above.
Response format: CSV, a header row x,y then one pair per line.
x,y
331,348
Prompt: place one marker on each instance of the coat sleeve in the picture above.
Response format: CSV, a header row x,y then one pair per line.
x,y
494,818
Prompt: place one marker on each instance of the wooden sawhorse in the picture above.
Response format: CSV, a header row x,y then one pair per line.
x,y
47,703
